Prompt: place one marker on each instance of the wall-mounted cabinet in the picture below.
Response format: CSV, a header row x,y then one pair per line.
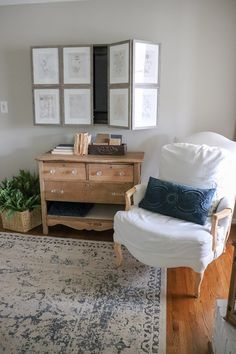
x,y
115,85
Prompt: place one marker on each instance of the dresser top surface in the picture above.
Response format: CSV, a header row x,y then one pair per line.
x,y
129,157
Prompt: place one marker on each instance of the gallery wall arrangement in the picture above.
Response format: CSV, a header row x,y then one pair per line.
x,y
115,85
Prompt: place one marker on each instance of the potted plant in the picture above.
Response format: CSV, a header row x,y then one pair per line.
x,y
20,202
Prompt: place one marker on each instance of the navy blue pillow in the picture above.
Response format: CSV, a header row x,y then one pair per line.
x,y
179,201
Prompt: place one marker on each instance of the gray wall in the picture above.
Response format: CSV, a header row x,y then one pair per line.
x,y
198,68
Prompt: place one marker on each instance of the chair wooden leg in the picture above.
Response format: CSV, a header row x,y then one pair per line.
x,y
198,282
118,253
226,238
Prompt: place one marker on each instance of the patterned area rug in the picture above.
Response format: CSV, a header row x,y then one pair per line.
x,y
67,296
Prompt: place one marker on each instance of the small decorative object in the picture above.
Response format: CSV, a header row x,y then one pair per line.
x,y
82,141
102,138
113,141
231,308
20,202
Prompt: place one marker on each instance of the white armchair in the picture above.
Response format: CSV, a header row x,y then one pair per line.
x,y
204,160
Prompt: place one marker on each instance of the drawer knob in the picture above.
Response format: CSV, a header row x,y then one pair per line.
x,y
53,190
52,171
74,172
61,191
99,173
121,173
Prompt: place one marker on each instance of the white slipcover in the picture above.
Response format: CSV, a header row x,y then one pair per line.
x,y
163,241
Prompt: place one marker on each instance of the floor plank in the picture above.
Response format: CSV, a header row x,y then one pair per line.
x,y
189,320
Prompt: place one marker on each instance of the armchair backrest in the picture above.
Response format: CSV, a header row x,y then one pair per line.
x,y
214,139
200,166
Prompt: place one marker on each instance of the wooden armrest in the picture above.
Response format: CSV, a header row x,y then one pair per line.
x,y
128,196
214,224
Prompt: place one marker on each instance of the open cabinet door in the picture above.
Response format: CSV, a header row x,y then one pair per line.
x,y
145,86
77,85
119,84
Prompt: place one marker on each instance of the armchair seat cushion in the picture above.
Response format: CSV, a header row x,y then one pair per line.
x,y
140,229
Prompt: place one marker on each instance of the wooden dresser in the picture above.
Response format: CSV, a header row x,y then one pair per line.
x,y
102,180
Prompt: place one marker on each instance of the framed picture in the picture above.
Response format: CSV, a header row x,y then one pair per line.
x,y
119,63
77,106
46,106
145,108
77,65
146,63
45,64
119,107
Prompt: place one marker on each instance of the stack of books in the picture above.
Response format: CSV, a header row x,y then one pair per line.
x,y
63,149
82,141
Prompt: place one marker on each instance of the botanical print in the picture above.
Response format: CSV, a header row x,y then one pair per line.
x,y
119,107
146,63
149,65
119,63
77,106
77,65
45,65
145,112
47,109
47,106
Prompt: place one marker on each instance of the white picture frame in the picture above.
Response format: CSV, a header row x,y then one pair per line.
x,y
146,63
77,106
77,65
45,65
47,106
145,108
119,107
119,63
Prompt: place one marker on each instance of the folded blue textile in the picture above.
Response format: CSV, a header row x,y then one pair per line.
x,y
69,208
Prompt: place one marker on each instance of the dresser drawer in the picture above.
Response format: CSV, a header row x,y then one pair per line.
x,y
64,171
111,193
111,173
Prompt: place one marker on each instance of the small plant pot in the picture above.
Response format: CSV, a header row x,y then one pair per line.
x,y
22,221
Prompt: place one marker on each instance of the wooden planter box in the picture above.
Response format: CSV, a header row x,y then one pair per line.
x,y
22,221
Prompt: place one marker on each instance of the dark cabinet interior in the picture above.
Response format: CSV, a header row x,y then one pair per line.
x,y
100,85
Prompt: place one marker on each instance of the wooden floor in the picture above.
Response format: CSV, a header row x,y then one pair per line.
x,y
189,320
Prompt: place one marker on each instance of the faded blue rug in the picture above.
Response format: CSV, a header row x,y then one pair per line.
x,y
67,296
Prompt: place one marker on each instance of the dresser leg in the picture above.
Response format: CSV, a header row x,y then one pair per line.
x,y
45,229
118,253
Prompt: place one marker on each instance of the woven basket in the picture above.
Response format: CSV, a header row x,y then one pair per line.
x,y
22,221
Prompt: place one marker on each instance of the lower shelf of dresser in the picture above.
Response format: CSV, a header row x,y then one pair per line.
x,y
99,218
